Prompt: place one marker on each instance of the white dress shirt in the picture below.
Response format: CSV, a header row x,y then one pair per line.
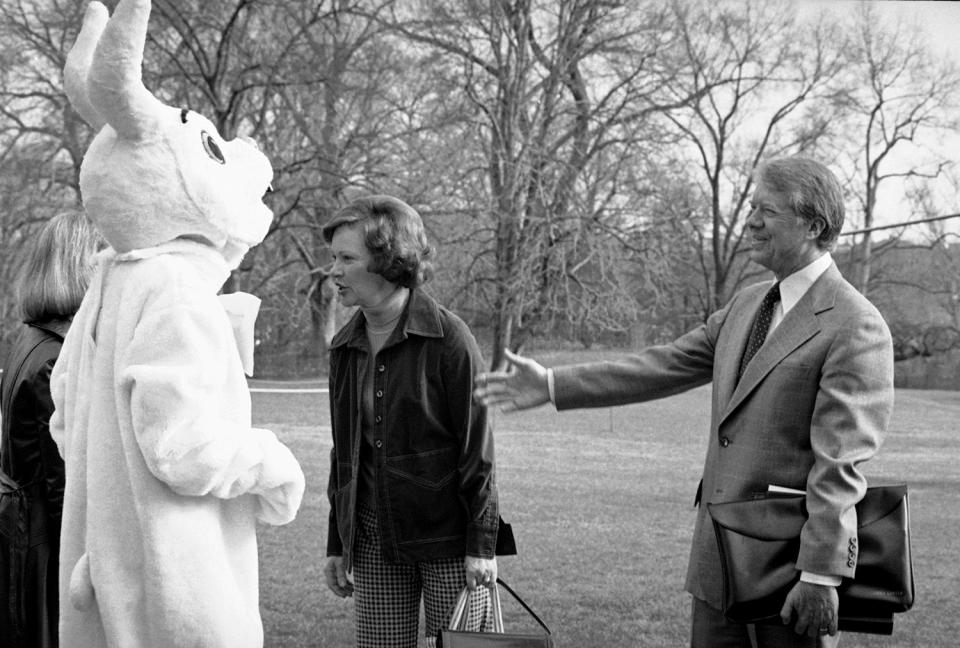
x,y
795,286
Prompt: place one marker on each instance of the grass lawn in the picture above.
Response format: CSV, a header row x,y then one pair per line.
x,y
601,506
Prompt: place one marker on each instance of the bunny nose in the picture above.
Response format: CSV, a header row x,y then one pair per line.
x,y
249,140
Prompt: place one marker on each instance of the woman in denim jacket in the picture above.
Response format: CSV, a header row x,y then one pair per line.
x,y
413,498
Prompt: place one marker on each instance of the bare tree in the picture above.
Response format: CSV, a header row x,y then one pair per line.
x,y
339,127
895,99
915,276
302,78
231,61
553,96
753,76
41,139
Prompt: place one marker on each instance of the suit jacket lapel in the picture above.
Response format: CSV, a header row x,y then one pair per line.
x,y
798,326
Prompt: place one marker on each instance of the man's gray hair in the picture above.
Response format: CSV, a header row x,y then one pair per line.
x,y
811,189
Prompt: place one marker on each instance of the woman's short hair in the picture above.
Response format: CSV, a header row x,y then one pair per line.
x,y
812,190
59,265
393,233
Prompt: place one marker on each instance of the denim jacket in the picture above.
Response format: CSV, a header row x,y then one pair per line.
x,y
436,493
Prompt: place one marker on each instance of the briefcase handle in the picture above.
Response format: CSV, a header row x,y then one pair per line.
x,y
458,619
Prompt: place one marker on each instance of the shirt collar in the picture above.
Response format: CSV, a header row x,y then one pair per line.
x,y
421,317
795,286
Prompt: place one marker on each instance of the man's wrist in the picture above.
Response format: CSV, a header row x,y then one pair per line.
x,y
551,389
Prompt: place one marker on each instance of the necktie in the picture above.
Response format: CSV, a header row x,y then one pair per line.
x,y
761,324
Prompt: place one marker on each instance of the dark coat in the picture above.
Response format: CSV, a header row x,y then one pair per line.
x,y
433,465
30,459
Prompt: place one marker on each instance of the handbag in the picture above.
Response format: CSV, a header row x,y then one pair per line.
x,y
456,636
759,541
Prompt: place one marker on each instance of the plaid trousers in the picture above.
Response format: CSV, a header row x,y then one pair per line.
x,y
387,597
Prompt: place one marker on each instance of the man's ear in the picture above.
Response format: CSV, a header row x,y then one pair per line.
x,y
816,227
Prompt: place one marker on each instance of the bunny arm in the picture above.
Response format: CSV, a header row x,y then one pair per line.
x,y
194,437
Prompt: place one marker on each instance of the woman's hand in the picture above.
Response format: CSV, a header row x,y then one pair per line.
x,y
336,577
480,572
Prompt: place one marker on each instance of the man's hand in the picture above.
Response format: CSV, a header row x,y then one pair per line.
x,y
336,577
522,386
480,572
816,609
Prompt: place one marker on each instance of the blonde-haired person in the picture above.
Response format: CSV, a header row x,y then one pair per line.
x,y
48,291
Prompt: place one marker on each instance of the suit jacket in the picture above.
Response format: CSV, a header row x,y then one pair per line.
x,y
812,404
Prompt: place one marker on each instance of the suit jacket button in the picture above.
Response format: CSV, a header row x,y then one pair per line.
x,y
724,441
851,562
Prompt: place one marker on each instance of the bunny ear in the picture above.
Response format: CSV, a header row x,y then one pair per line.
x,y
115,83
78,64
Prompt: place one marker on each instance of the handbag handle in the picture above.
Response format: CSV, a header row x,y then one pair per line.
x,y
458,620
525,606
495,604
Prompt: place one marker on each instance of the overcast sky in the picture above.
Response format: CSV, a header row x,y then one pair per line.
x,y
941,20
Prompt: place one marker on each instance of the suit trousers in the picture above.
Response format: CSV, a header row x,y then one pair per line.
x,y
711,629
387,597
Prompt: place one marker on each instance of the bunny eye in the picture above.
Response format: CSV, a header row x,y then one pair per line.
x,y
211,147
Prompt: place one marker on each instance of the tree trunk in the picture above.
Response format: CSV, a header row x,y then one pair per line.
x,y
863,271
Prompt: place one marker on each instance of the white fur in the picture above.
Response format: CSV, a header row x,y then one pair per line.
x,y
166,477
147,177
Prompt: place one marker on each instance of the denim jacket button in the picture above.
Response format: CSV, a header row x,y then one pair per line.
x,y
379,443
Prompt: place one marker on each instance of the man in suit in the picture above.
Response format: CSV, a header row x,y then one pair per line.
x,y
802,372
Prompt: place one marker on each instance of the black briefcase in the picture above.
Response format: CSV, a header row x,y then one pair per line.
x,y
759,540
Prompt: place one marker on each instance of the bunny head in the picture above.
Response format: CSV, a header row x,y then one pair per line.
x,y
155,173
